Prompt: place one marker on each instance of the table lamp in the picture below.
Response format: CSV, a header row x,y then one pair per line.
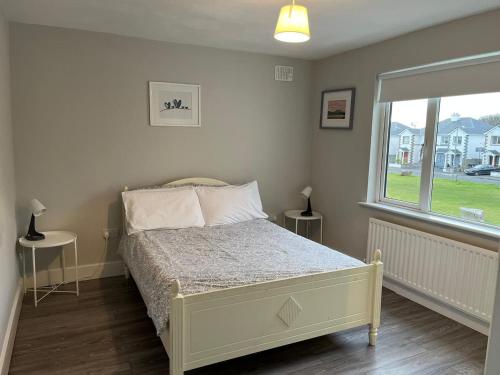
x,y
306,193
37,209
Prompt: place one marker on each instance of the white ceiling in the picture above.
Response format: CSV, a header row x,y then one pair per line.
x,y
247,25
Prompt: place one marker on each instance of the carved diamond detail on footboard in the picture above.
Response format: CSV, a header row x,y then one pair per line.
x,y
289,311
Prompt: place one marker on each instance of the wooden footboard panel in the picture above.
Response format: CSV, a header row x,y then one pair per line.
x,y
212,327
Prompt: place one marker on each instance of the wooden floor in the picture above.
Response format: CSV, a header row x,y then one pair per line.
x,y
106,331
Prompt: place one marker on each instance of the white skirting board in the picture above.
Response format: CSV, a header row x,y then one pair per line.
x,y
10,332
439,307
85,272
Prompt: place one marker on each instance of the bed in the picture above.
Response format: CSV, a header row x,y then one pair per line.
x,y
216,293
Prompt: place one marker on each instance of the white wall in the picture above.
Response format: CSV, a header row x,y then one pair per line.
x,y
494,132
80,109
475,141
8,264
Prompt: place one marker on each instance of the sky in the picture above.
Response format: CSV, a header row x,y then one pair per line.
x,y
475,106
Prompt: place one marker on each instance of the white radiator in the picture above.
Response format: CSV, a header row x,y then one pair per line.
x,y
454,273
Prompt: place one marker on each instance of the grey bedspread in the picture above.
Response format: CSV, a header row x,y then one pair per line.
x,y
210,258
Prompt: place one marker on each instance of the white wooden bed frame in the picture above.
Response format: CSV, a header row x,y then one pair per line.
x,y
211,327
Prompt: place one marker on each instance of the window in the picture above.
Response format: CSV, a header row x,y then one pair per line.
x,y
405,160
443,171
458,189
451,111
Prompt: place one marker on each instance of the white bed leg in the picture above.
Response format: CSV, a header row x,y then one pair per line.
x,y
126,271
372,335
377,296
176,321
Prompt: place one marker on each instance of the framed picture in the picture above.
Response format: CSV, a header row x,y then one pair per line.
x,y
174,104
337,109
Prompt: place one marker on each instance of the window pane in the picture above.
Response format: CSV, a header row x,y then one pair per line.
x,y
404,154
467,158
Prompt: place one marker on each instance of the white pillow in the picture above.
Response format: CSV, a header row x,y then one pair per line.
x,y
230,204
170,208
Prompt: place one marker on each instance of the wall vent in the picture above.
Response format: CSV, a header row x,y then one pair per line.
x,y
283,73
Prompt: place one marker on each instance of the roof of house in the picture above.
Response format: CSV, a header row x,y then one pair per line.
x,y
493,128
467,124
448,126
397,128
417,131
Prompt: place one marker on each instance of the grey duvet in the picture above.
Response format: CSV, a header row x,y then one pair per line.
x,y
225,256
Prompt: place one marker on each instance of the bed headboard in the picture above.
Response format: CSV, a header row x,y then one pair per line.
x,y
197,181
181,182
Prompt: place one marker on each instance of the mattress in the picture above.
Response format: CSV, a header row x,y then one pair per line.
x,y
218,257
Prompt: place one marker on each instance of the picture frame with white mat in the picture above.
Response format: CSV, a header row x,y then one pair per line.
x,y
174,104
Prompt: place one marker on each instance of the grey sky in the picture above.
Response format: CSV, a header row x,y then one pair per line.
x,y
475,106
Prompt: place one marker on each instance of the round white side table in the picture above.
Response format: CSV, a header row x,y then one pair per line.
x,y
295,215
52,239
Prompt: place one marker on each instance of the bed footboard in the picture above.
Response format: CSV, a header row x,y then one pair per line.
x,y
212,327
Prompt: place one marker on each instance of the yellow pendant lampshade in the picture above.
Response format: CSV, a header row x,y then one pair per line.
x,y
293,24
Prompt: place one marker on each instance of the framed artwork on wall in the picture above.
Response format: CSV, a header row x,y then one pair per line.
x,y
174,104
337,109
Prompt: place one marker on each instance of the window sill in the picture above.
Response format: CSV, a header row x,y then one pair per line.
x,y
484,230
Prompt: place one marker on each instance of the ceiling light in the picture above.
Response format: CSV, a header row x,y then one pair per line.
x,y
293,24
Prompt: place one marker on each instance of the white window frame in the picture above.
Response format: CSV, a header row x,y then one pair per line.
x,y
423,207
427,163
457,138
380,137
403,140
497,143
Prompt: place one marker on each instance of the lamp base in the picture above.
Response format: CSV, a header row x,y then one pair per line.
x,y
35,237
32,234
307,212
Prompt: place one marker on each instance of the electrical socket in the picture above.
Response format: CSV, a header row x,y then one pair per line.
x,y
110,233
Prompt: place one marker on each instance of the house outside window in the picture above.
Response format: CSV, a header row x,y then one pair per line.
x,y
443,175
441,185
491,153
454,130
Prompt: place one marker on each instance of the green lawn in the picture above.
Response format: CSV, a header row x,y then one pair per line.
x,y
449,195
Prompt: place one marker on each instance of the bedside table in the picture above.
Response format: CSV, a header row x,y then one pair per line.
x,y
295,215
52,239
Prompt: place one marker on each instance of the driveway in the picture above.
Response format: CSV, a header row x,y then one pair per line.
x,y
459,176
